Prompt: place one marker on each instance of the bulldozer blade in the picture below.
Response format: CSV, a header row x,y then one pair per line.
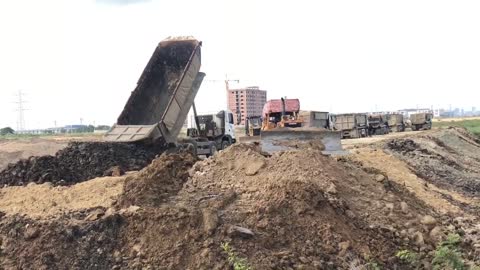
x,y
329,142
249,139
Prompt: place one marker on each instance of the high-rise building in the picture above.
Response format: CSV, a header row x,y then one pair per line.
x,y
246,102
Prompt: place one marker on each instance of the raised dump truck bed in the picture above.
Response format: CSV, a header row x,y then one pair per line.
x,y
159,105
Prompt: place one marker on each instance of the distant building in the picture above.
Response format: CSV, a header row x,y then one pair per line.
x,y
246,102
408,112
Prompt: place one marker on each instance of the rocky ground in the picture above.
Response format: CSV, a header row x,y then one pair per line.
x,y
291,210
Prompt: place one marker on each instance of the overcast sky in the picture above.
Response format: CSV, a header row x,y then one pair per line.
x,y
81,59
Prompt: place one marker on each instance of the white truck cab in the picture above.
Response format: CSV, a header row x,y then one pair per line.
x,y
212,132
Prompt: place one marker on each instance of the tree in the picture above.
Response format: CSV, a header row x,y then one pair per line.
x,y
102,127
6,130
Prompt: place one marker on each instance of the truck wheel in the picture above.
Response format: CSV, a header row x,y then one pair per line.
x,y
213,150
225,144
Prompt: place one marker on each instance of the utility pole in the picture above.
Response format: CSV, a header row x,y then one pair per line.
x,y
20,110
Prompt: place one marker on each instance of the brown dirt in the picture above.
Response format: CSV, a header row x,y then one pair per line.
x,y
303,210
33,202
448,158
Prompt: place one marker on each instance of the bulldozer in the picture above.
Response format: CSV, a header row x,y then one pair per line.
x,y
283,128
253,125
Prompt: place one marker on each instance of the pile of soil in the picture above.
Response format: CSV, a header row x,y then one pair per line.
x,y
290,210
162,179
78,162
449,158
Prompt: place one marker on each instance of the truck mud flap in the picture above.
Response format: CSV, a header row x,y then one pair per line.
x,y
329,142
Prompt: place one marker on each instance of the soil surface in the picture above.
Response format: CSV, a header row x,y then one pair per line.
x,y
289,210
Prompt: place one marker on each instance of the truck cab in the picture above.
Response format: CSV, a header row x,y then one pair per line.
x,y
212,132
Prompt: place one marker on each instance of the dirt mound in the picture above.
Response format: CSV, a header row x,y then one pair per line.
x,y
78,162
291,210
448,158
155,183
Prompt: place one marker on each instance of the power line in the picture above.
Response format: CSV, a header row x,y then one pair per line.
x,y
20,110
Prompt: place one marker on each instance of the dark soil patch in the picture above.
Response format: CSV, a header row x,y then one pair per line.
x,y
78,162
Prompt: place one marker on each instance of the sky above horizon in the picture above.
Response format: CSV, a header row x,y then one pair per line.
x,y
81,59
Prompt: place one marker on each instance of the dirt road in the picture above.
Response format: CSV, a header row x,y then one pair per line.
x,y
351,143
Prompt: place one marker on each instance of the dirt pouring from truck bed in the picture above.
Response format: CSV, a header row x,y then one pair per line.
x,y
78,162
291,210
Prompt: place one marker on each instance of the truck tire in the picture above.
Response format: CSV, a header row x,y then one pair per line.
x,y
225,144
213,150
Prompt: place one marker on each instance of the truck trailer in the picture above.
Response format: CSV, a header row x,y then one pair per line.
x,y
421,121
352,125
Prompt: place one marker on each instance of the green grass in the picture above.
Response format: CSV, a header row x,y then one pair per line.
x,y
471,125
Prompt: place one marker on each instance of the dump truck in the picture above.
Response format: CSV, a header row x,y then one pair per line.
x,y
377,124
212,132
283,128
316,119
396,122
420,121
165,93
351,125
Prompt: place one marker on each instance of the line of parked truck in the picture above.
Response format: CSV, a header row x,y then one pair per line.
x,y
358,125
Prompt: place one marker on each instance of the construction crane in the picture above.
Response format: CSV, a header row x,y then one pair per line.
x,y
227,87
226,81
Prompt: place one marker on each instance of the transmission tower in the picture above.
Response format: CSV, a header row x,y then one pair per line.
x,y
20,110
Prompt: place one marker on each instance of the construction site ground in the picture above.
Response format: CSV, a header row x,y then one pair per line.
x,y
290,210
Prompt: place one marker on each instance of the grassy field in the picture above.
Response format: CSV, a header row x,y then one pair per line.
x,y
472,125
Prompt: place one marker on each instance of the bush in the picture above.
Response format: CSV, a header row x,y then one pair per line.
x,y
234,260
410,257
7,130
447,254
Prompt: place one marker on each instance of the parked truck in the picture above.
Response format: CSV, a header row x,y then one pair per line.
x,y
352,125
316,119
377,124
420,121
212,132
159,105
396,122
